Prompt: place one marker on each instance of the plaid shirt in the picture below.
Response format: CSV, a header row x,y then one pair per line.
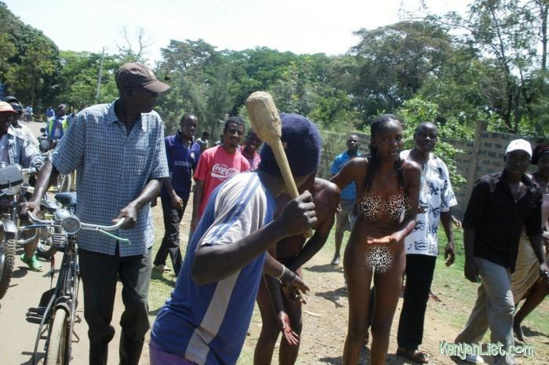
x,y
112,170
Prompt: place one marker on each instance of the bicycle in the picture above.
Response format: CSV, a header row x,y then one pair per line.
x,y
59,315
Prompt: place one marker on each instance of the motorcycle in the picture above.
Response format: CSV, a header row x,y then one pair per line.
x,y
11,179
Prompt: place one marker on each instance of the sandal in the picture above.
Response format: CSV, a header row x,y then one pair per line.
x,y
416,356
161,268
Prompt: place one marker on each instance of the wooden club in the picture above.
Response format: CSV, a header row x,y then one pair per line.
x,y
266,122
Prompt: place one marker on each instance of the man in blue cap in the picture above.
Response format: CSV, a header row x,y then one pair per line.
x,y
207,317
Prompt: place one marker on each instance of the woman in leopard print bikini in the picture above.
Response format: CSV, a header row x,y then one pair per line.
x,y
388,192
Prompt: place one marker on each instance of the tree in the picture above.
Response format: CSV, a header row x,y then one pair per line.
x,y
31,60
502,31
78,79
395,61
128,51
199,82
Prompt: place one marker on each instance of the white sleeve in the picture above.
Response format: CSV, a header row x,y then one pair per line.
x,y
240,209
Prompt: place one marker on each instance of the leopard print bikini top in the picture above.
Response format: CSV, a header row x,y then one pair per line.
x,y
372,207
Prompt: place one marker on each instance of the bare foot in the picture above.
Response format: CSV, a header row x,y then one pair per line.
x,y
518,332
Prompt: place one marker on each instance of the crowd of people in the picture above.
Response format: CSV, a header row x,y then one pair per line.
x,y
247,241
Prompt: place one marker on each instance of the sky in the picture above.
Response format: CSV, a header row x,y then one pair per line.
x,y
299,26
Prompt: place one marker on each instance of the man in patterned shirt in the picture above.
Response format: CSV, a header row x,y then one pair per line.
x,y
435,199
119,152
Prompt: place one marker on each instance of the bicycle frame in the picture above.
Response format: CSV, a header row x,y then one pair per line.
x,y
64,297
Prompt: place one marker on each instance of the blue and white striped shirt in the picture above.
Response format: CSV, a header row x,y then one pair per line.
x,y
207,324
112,170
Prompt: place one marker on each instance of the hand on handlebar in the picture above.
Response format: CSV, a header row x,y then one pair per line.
x,y
129,213
28,207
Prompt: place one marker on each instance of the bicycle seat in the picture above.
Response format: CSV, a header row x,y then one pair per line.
x,y
67,199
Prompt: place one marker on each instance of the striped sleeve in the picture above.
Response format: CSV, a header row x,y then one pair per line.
x,y
240,209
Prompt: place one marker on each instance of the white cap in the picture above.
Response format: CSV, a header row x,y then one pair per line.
x,y
519,145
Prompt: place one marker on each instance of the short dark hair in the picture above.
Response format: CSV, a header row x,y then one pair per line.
x,y
236,120
539,150
188,116
422,125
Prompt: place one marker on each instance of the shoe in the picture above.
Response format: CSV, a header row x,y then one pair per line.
x,y
415,356
33,263
335,261
474,359
161,268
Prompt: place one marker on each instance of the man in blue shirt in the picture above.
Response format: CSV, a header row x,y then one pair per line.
x,y
207,317
58,124
183,154
348,195
120,155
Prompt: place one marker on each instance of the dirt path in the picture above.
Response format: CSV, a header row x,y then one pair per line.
x,y
325,320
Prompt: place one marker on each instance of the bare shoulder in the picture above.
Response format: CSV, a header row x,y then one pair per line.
x,y
411,168
359,162
325,187
325,194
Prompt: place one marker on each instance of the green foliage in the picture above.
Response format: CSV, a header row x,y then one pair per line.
x,y
395,61
489,65
506,35
416,111
29,61
79,78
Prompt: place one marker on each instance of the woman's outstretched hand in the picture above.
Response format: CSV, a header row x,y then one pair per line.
x,y
386,240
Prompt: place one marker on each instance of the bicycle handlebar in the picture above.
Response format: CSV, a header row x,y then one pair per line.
x,y
97,227
37,222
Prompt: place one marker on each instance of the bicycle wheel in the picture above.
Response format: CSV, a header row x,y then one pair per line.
x,y
8,251
57,341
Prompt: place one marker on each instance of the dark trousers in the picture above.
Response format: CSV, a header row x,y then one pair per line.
x,y
170,242
100,274
419,276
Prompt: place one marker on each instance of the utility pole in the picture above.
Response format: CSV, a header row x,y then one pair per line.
x,y
99,77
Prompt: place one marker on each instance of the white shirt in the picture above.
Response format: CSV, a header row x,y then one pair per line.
x,y
436,195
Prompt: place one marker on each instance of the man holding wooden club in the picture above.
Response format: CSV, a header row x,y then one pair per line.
x,y
207,317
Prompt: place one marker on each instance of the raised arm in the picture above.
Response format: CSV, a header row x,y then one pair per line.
x,y
218,261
